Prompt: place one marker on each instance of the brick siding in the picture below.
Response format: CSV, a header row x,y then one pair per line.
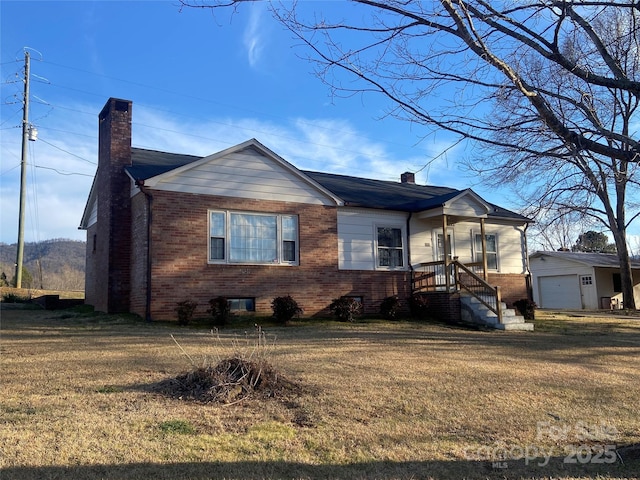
x,y
93,293
513,287
116,269
109,265
444,306
180,270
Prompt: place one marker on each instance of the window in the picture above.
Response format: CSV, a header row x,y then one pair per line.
x,y
390,252
289,235
242,304
617,283
586,280
253,238
256,238
217,223
492,250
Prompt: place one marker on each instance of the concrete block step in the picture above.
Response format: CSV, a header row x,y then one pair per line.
x,y
525,327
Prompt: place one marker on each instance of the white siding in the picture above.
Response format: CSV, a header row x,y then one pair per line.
x,y
510,238
466,206
357,236
512,254
93,214
556,267
245,174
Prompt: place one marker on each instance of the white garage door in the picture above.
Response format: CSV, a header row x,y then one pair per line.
x,y
560,291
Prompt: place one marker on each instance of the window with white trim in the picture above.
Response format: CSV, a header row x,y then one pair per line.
x,y
253,238
390,247
243,304
492,250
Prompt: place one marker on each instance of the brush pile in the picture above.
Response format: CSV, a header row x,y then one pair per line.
x,y
230,381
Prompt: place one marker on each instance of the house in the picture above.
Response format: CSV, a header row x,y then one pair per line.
x,y
246,224
578,280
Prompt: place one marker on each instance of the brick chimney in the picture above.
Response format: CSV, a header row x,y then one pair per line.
x,y
113,234
408,177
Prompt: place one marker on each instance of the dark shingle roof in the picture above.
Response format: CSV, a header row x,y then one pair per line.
x,y
364,192
354,191
588,258
149,163
409,197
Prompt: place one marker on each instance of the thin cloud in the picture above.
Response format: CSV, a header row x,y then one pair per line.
x,y
56,199
329,145
253,37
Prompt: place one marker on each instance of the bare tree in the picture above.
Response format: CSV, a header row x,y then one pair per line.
x,y
554,231
550,88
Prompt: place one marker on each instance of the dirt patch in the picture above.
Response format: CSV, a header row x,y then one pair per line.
x,y
230,381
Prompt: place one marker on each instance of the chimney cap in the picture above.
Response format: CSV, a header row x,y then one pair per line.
x,y
115,104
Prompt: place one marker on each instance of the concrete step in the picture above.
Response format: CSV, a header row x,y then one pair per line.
x,y
512,319
525,327
480,313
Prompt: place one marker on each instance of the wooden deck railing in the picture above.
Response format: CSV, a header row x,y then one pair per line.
x,y
432,277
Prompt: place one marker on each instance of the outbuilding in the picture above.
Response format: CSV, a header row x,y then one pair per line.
x,y
579,280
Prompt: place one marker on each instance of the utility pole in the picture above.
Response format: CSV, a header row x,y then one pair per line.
x,y
23,170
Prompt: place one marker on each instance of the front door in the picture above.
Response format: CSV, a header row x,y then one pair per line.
x,y
440,249
440,245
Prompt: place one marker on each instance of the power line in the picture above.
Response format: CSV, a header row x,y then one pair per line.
x,y
67,151
10,170
193,97
299,122
67,131
65,173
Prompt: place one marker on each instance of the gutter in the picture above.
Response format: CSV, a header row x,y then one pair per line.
x,y
529,280
149,197
409,252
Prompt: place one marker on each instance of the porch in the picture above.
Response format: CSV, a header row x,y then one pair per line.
x,y
462,292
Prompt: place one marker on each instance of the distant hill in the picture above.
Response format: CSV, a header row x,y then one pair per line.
x,y
56,264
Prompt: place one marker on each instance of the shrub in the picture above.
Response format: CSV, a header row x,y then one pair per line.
x,y
526,307
219,310
285,308
418,306
185,310
389,307
14,298
345,308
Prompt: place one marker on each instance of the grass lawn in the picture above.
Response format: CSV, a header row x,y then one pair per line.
x,y
378,400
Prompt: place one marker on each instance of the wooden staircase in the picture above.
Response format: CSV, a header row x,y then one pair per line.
x,y
480,302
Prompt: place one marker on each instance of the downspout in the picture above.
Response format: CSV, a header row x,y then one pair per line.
x,y
528,279
409,253
149,197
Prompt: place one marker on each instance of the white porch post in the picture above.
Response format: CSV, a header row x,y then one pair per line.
x,y
485,275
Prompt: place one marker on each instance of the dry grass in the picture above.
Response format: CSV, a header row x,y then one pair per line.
x,y
29,293
381,400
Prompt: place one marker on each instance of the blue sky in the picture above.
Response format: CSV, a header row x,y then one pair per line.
x,y
199,82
